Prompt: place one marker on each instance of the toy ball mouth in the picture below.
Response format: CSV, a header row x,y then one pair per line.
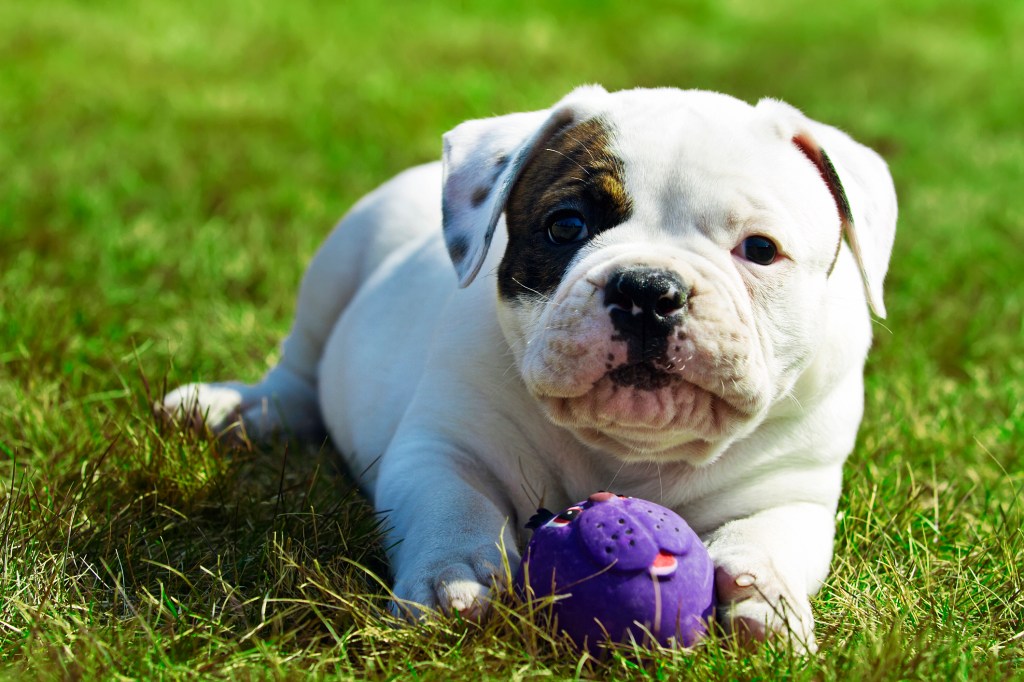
x,y
664,564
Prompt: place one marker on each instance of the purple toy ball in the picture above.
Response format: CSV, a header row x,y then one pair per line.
x,y
622,567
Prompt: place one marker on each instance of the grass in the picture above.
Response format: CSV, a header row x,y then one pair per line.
x,y
169,168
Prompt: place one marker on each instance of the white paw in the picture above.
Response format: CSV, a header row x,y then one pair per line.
x,y
281,404
216,407
462,584
755,604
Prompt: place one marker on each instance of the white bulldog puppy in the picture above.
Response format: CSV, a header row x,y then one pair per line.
x,y
652,294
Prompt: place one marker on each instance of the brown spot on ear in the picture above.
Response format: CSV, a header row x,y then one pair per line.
x,y
573,170
479,196
458,247
828,173
481,193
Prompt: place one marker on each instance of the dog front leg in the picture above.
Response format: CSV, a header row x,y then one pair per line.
x,y
450,530
767,566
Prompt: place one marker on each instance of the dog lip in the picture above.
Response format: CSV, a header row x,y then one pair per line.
x,y
642,375
647,376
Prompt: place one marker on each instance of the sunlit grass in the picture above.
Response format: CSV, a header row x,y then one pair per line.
x,y
169,168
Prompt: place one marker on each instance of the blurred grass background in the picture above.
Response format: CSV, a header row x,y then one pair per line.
x,y
166,171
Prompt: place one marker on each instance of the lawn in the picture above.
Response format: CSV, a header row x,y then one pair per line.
x,y
168,168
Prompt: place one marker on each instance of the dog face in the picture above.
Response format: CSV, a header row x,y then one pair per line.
x,y
668,259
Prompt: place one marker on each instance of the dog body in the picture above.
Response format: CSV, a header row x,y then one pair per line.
x,y
663,306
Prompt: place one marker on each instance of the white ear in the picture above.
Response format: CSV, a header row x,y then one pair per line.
x,y
481,162
860,182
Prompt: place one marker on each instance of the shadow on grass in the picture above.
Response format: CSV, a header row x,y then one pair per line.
x,y
153,537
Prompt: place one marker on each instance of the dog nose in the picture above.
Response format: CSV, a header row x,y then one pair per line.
x,y
645,305
649,292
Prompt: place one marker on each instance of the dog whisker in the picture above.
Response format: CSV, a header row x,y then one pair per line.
x,y
562,154
543,297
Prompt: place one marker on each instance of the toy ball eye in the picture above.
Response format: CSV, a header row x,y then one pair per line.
x,y
565,517
758,249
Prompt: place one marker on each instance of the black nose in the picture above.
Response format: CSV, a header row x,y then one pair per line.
x,y
645,304
646,291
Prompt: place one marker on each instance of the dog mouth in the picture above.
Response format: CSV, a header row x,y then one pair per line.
x,y
646,398
643,376
660,408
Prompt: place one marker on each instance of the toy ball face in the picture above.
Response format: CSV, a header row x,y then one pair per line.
x,y
621,566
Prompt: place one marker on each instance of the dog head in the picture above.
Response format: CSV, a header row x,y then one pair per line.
x,y
669,256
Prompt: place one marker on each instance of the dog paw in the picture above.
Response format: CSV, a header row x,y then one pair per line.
x,y
202,407
754,605
281,404
462,585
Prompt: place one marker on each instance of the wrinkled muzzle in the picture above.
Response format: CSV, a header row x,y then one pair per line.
x,y
648,356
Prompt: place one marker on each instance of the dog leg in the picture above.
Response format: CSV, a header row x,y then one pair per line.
x,y
282,404
450,537
285,401
767,566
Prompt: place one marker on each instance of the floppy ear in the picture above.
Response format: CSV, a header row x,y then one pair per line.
x,y
481,162
861,185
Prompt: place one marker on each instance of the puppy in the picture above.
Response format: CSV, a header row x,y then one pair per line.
x,y
665,293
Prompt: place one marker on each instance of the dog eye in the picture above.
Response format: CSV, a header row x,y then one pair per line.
x,y
758,249
566,516
566,227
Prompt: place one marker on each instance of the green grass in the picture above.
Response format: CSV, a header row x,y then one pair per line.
x,y
167,169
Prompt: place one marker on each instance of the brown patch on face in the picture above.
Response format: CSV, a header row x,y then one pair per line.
x,y
576,171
